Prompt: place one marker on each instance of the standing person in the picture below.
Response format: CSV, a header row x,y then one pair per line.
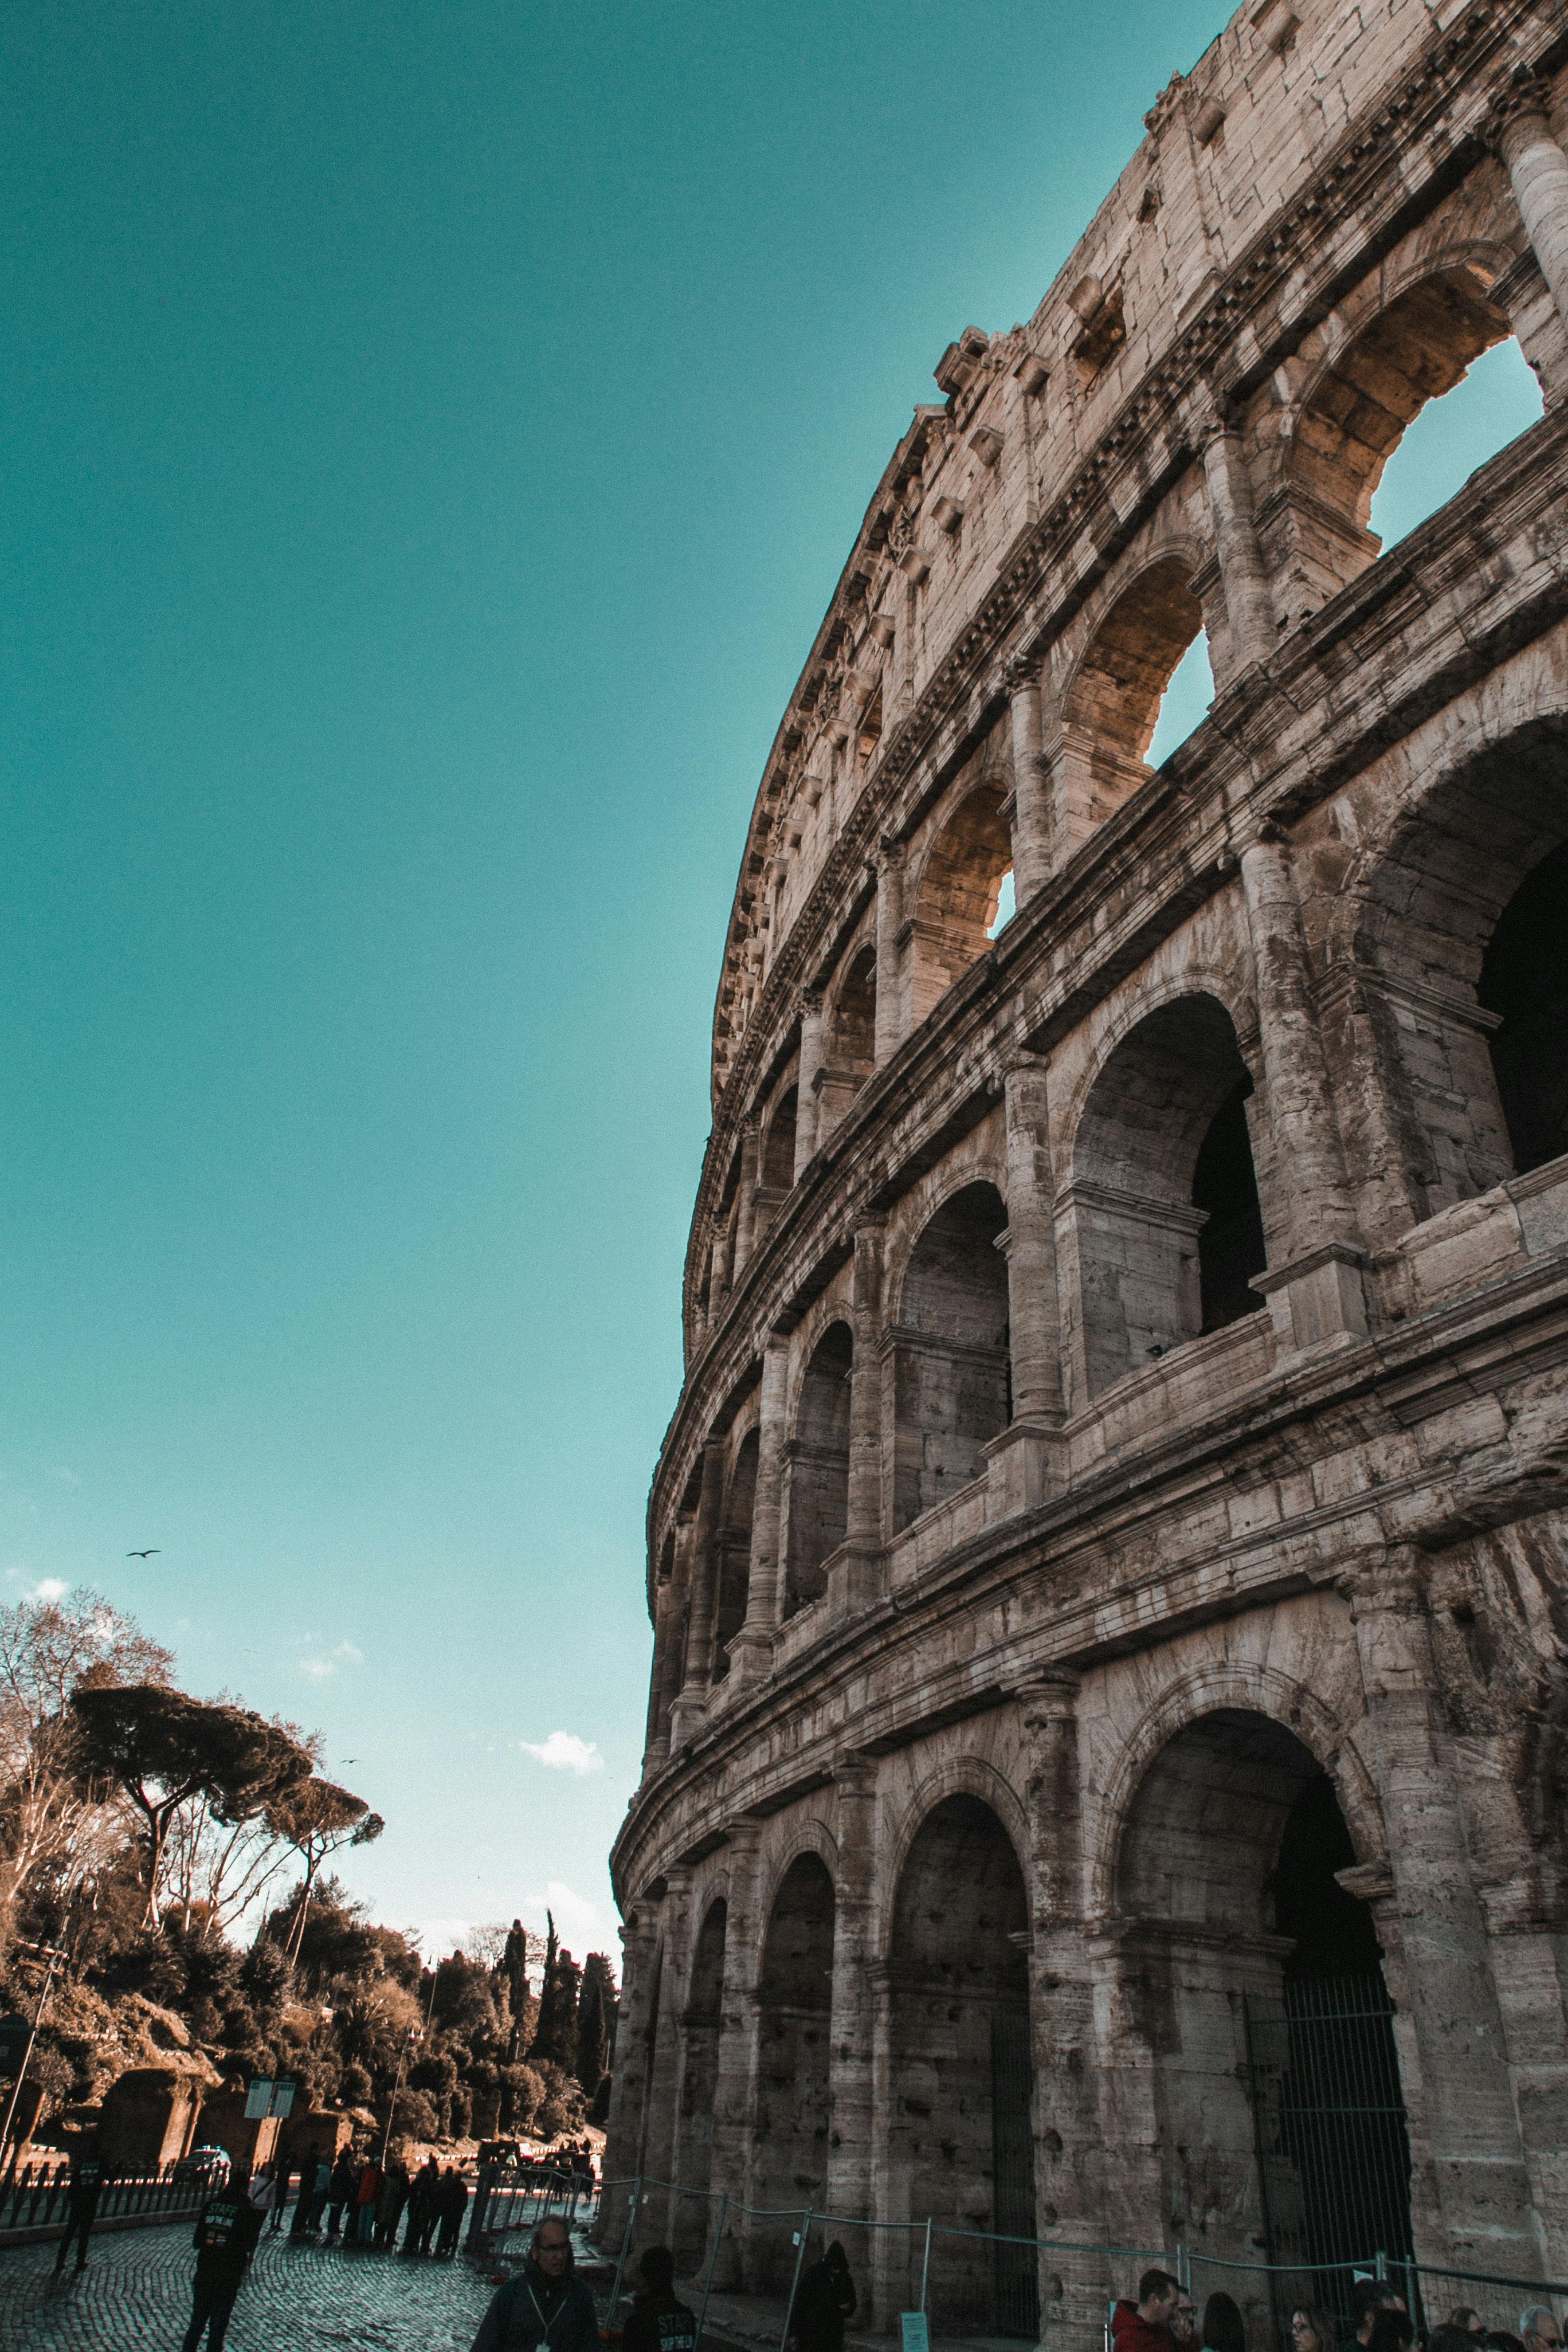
x,y
282,2173
1145,2325
451,2198
319,2195
546,2307
394,2197
341,2190
224,2238
1225,2330
1368,2297
1184,2323
261,2191
824,2300
1310,2331
90,2177
310,2172
367,2197
422,2214
659,2321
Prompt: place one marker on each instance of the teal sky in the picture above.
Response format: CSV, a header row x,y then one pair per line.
x,y
433,435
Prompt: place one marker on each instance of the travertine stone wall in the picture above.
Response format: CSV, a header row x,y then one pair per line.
x,y
1120,1477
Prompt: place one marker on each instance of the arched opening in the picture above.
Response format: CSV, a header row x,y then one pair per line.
x,y
819,1468
952,1379
1165,1197
1114,702
1185,703
960,2136
700,2026
1459,941
736,1551
1524,984
1006,905
958,897
776,1174
795,2004
1357,413
1275,2089
1496,400
850,1057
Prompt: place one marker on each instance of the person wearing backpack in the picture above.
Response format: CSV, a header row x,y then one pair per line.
x,y
546,2307
225,2239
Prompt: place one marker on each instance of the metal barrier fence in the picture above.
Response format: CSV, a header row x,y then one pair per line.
x,y
35,2201
743,2266
510,2198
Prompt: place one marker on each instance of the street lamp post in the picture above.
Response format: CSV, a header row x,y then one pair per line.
x,y
409,2039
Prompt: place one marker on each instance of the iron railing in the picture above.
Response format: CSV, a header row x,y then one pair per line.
x,y
37,2200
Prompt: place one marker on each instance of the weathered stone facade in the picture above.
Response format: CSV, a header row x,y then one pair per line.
x,y
1108,1562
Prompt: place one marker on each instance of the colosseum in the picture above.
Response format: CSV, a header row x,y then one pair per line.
x,y
1105,1768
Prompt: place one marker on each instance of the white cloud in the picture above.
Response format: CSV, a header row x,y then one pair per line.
x,y
581,1925
321,1668
436,1937
350,1657
564,1752
50,1587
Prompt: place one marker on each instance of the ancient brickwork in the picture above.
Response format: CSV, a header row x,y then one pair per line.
x,y
1108,1561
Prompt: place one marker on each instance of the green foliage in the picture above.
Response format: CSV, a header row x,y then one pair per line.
x,y
554,2039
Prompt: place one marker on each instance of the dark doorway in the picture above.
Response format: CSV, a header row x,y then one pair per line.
x,y
1230,1244
1524,977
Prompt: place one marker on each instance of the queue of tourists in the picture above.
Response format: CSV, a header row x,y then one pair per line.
x,y
1164,2317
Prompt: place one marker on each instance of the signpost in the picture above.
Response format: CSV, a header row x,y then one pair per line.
x,y
270,2095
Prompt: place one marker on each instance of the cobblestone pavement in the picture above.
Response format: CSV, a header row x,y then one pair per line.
x,y
135,2296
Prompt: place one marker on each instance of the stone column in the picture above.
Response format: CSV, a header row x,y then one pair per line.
x,y
1020,1464
747,1200
1244,579
665,2071
1031,800
805,1092
857,1579
735,2067
629,2087
750,1652
889,873
1317,1291
852,2152
1482,2183
656,1738
1538,172
689,1706
1067,2153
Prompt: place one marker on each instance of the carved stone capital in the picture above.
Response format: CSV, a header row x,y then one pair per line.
x,y
1527,98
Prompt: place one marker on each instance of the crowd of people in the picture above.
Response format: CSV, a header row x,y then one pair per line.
x,y
1164,2319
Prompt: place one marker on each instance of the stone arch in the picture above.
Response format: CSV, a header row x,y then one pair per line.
x,y
732,1582
1113,694
952,1374
1163,1190
794,2091
955,899
775,1159
960,1776
849,1034
1398,346
701,2023
1240,1941
1466,1039
960,2137
818,1467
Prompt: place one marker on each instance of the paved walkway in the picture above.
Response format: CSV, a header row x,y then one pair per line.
x,y
135,2296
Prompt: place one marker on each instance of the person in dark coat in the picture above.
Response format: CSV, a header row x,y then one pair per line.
x,y
546,2307
90,2177
225,2239
394,2197
341,2191
659,2321
824,2300
422,2215
451,2198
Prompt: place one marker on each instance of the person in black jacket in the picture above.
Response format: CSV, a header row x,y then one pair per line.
x,y
90,2177
225,2239
659,2321
824,2300
545,2308
451,2197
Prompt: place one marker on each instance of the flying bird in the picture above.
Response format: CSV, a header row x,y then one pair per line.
x,y
145,1554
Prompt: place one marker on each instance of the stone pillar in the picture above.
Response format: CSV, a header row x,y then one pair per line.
x,y
656,1738
1481,2184
747,1200
1068,2149
1317,1291
1031,800
807,1090
852,2151
856,1577
665,2069
750,1652
1244,579
1020,1461
629,2087
889,873
1538,172
689,1706
735,2068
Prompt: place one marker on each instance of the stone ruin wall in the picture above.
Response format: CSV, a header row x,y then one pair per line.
x,y
1052,1529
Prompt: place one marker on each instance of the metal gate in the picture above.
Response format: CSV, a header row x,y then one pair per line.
x,y
1013,2171
1333,2154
